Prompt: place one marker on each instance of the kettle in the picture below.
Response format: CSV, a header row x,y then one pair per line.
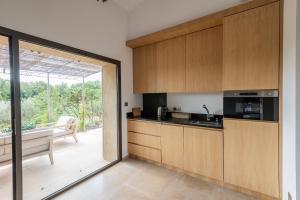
x,y
162,112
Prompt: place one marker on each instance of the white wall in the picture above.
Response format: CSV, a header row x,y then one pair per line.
x,y
154,15
298,104
84,24
194,102
289,98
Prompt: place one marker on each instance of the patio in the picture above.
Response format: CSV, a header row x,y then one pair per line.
x,y
72,161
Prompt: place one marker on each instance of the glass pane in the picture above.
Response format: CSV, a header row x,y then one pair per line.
x,y
5,122
63,114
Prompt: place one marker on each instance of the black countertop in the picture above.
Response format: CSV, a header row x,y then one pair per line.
x,y
198,120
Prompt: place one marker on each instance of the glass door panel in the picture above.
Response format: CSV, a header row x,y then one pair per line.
x,y
5,122
69,118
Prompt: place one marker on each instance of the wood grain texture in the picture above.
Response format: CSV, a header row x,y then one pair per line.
x,y
251,49
203,152
251,155
144,152
149,128
172,145
204,60
145,69
145,140
194,25
171,65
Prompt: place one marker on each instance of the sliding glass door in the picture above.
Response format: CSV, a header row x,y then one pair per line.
x,y
6,180
66,114
63,99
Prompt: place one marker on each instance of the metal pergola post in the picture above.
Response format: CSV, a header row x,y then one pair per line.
x,y
48,97
83,104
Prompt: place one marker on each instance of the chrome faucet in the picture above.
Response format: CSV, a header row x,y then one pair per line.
x,y
208,116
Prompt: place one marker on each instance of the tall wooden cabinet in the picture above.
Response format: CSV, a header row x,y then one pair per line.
x,y
203,152
251,49
204,60
145,69
251,155
171,65
172,145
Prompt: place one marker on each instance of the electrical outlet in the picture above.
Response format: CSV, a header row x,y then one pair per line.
x,y
290,196
126,104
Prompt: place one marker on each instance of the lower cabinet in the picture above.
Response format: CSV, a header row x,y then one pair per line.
x,y
144,152
245,154
203,152
251,155
144,140
172,145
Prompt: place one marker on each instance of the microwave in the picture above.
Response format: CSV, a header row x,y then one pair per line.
x,y
252,105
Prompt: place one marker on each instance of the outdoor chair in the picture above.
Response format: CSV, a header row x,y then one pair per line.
x,y
35,143
66,126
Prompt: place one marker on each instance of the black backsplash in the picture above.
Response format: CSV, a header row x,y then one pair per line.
x,y
151,102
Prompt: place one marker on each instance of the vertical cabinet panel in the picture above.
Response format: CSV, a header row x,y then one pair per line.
x,y
251,49
251,155
145,69
171,65
204,61
172,145
203,152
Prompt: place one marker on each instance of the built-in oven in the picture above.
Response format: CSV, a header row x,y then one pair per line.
x,y
255,105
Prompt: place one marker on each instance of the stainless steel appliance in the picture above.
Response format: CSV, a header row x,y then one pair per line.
x,y
256,105
162,112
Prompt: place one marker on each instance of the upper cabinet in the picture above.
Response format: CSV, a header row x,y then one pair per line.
x,y
251,49
145,69
204,61
171,65
240,52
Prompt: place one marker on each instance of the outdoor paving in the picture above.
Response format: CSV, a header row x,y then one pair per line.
x,y
72,161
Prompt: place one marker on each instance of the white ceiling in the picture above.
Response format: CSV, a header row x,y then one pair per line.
x,y
128,5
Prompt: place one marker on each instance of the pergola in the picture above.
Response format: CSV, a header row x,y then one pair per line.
x,y
40,64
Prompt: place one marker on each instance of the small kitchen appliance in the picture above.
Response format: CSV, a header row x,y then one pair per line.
x,y
252,105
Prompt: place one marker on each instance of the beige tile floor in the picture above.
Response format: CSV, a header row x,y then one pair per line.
x,y
135,180
72,161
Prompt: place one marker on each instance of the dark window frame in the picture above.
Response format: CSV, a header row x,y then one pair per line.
x,y
14,38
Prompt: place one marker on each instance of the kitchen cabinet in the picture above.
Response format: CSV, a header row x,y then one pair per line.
x,y
144,127
203,152
251,155
144,140
172,145
171,65
251,49
145,69
144,152
204,60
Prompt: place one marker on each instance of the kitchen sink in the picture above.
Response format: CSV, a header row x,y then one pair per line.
x,y
205,123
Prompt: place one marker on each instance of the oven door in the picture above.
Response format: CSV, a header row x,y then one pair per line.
x,y
243,108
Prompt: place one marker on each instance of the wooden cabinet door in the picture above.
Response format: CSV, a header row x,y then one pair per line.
x,y
172,145
251,155
146,127
204,61
145,69
171,65
203,152
251,49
